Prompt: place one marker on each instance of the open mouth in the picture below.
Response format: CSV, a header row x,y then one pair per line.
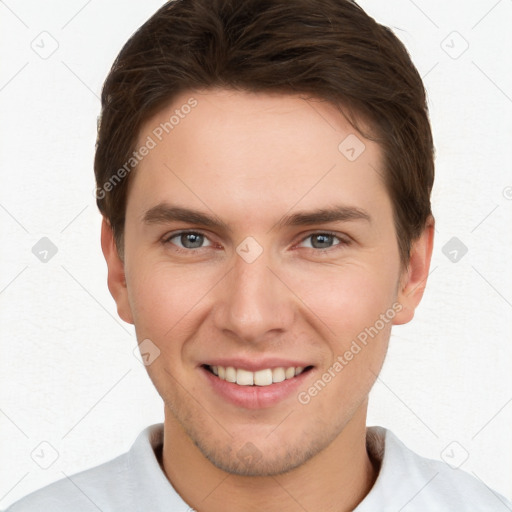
x,y
264,377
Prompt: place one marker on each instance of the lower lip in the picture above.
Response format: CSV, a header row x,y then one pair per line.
x,y
255,397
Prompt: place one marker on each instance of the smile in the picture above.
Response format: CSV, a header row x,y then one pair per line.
x,y
264,377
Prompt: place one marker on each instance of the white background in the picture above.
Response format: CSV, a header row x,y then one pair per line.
x,y
68,375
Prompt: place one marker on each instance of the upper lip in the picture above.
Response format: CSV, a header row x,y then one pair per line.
x,y
254,365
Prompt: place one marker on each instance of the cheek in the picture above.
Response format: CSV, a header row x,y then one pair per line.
x,y
347,298
355,306
161,297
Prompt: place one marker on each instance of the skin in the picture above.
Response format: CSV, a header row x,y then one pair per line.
x,y
250,159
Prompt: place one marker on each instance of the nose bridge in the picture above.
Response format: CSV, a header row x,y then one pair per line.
x,y
253,301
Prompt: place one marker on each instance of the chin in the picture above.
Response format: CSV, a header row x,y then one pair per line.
x,y
252,462
262,454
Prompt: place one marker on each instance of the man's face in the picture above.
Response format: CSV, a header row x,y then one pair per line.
x,y
257,291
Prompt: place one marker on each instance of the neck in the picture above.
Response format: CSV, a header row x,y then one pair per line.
x,y
335,480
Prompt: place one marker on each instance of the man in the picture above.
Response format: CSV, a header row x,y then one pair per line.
x,y
264,170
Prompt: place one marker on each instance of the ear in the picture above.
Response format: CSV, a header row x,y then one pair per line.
x,y
414,278
116,276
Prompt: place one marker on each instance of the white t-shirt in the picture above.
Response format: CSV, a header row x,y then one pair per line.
x,y
134,482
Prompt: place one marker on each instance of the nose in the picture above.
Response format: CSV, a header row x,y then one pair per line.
x,y
253,302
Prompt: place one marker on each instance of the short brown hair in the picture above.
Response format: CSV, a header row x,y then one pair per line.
x,y
328,49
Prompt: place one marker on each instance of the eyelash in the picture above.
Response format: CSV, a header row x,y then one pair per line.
x,y
343,242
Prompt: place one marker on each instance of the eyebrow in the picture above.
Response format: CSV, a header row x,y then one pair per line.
x,y
164,213
339,213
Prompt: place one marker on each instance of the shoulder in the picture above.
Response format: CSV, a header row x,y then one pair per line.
x,y
118,484
414,483
89,490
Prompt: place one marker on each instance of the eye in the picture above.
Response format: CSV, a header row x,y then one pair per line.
x,y
187,240
323,241
190,240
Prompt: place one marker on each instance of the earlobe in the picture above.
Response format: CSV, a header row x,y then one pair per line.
x,y
414,278
116,275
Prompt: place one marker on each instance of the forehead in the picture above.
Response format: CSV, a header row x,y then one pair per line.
x,y
258,151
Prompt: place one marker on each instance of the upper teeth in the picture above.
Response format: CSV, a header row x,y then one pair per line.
x,y
259,378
